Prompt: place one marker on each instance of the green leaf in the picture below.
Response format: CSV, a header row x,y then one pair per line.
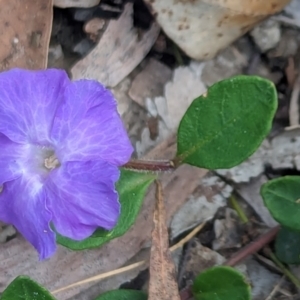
x,y
282,198
287,246
123,295
221,283
24,288
226,125
132,188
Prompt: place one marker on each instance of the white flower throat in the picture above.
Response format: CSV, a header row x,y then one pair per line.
x,y
40,160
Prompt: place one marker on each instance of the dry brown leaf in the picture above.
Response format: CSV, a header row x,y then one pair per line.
x,y
93,28
150,82
200,259
25,33
75,3
203,27
162,284
186,85
66,267
120,49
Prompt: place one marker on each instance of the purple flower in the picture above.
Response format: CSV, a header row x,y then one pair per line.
x,y
61,145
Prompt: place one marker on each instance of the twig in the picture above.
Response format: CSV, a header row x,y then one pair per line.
x,y
149,165
283,268
285,293
267,262
275,289
188,237
101,276
130,267
253,247
290,72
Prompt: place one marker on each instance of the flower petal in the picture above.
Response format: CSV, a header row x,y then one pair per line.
x,y
82,197
88,127
10,152
28,101
22,204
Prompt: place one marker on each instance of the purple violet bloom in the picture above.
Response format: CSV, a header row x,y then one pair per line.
x,y
61,145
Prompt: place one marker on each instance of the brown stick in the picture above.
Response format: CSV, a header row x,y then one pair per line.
x,y
252,247
150,165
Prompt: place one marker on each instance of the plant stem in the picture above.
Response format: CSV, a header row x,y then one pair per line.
x,y
282,267
253,247
238,209
149,165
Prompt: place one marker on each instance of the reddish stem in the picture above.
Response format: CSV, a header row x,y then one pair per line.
x,y
149,165
253,247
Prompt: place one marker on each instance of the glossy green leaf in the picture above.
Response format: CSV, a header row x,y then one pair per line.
x,y
287,246
226,125
221,283
24,288
123,295
282,198
132,188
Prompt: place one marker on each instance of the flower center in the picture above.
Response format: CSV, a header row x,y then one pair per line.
x,y
52,162
39,160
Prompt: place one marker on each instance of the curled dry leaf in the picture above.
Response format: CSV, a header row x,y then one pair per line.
x,y
200,259
162,284
150,82
120,49
203,27
25,33
93,28
227,231
185,85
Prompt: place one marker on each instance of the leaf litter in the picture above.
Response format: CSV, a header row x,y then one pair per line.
x,y
114,45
